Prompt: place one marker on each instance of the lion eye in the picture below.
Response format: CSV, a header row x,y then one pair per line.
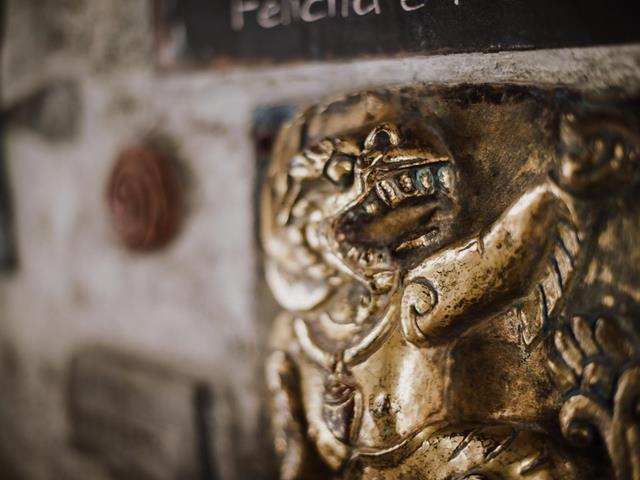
x,y
339,169
382,137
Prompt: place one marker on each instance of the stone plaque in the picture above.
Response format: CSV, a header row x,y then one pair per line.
x,y
219,32
139,419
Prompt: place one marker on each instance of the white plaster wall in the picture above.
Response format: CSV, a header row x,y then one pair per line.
x,y
190,304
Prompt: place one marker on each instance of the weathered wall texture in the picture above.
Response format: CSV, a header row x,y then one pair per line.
x,y
192,304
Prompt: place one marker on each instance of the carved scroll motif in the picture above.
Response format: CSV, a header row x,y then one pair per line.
x,y
424,244
599,368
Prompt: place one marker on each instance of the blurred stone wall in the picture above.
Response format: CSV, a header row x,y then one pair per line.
x,y
79,77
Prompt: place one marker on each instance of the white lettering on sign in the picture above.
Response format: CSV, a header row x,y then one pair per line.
x,y
318,13
272,13
238,9
268,14
363,9
409,6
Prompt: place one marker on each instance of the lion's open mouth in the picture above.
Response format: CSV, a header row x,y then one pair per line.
x,y
398,213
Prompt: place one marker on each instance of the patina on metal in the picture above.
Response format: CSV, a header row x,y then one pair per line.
x,y
458,272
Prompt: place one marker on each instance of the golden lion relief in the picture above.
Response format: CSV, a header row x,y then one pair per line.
x,y
431,248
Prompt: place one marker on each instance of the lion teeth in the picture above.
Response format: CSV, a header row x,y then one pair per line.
x,y
386,192
426,180
372,207
366,257
445,178
406,183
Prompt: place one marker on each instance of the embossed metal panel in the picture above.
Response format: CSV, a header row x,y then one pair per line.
x,y
458,269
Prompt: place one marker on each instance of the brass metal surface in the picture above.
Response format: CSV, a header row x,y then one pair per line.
x,y
458,272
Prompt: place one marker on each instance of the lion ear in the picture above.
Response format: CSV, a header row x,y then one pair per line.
x,y
301,167
310,163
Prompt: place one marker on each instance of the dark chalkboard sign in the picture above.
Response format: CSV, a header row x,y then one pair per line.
x,y
217,32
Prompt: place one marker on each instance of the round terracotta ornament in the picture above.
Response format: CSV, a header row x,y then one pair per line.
x,y
144,199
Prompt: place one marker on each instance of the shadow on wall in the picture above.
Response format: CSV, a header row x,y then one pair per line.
x,y
7,472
